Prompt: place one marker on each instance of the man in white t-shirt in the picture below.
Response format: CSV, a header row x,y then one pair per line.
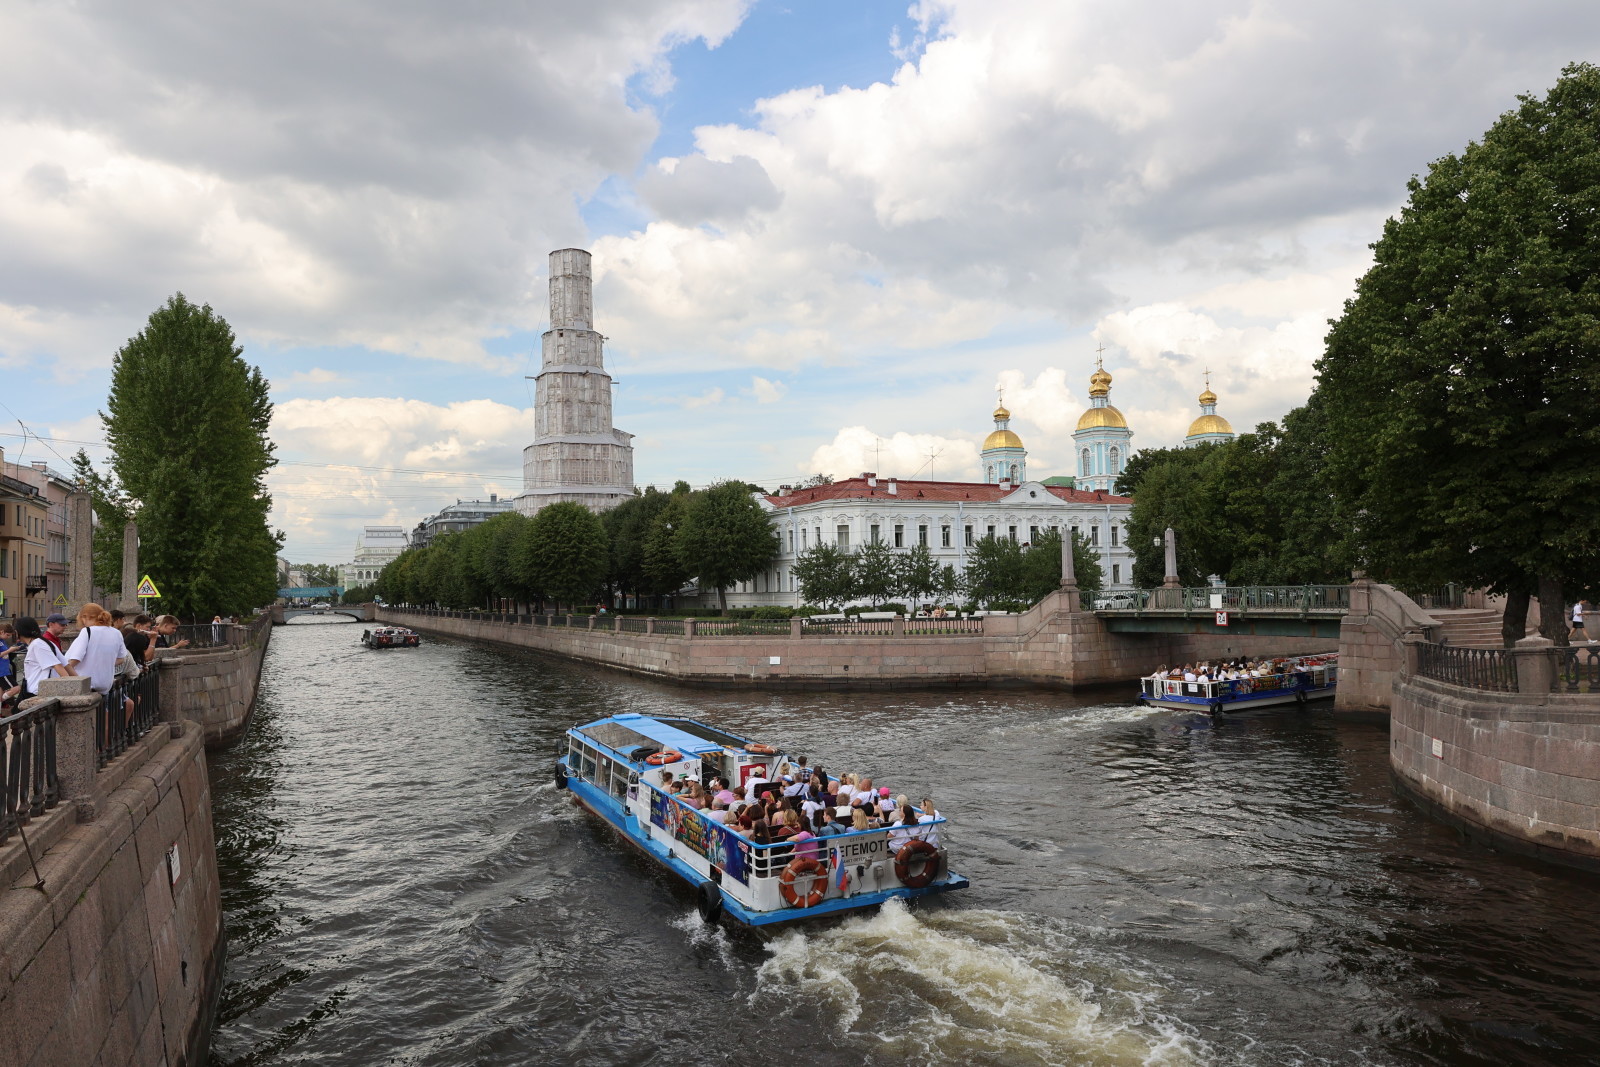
x,y
757,779
95,651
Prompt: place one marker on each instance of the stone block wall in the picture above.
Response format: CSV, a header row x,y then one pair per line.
x,y
117,959
215,687
1369,644
1521,770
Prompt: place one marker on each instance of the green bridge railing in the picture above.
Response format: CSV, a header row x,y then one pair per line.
x,y
1254,599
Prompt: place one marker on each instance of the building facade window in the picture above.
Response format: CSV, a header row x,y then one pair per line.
x,y
899,536
1011,532
841,536
1115,530
875,537
1094,535
1116,572
922,535
1033,534
944,537
967,536
990,532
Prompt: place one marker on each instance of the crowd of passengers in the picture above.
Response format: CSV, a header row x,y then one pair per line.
x,y
800,805
1232,670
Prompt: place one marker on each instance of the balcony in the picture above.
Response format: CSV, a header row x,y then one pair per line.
x,y
53,567
34,583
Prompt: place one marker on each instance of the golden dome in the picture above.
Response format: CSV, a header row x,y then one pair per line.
x,y
1096,418
1208,397
1002,439
1001,412
1209,424
1099,385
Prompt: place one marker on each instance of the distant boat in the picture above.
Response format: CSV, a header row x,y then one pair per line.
x,y
1293,680
614,768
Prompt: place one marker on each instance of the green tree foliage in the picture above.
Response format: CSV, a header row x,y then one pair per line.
x,y
187,421
564,553
994,570
633,531
1460,383
111,514
318,573
877,572
918,575
725,538
826,575
661,565
1041,568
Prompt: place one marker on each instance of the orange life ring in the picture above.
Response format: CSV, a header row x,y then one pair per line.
x,y
799,868
757,749
916,852
661,759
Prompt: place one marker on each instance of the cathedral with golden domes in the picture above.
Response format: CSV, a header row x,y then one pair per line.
x,y
1209,427
1102,440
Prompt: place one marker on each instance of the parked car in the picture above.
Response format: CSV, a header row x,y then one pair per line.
x,y
1118,602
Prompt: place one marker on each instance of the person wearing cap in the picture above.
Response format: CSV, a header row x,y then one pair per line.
x,y
758,778
44,661
54,624
885,802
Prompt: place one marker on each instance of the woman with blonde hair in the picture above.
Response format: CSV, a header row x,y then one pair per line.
x,y
97,648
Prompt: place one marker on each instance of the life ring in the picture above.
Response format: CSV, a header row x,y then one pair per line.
x,y
921,853
661,759
755,748
708,900
803,868
561,777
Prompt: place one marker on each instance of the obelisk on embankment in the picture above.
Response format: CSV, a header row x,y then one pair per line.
x,y
577,454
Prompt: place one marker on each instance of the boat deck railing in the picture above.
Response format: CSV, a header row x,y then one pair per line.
x,y
1238,688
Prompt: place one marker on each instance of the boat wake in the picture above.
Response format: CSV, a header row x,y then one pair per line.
x,y
979,987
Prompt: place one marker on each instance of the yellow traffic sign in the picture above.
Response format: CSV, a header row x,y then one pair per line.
x,y
61,600
147,589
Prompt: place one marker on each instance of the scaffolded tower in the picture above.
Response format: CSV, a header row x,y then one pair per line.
x,y
576,453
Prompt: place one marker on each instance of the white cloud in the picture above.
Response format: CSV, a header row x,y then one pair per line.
x,y
707,399
314,376
902,455
767,392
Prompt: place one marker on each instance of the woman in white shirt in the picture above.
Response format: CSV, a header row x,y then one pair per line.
x,y
97,648
43,662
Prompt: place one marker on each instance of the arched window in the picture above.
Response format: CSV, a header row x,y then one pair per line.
x,y
1088,463
991,474
1013,473
1116,457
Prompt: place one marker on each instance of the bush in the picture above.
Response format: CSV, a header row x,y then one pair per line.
x,y
898,608
773,611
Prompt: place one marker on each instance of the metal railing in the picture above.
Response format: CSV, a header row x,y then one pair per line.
x,y
1577,669
1492,669
1281,599
28,783
742,628
127,712
952,625
828,627
633,625
668,626
1444,597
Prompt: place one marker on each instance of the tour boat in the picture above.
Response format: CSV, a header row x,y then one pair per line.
x,y
616,768
1294,680
391,637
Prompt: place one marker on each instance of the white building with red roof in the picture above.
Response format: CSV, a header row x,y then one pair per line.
x,y
948,517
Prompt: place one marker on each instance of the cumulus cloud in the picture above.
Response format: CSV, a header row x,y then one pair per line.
x,y
314,376
709,398
696,189
767,392
902,455
380,175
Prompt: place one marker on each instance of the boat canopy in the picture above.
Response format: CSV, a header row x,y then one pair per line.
x,y
621,733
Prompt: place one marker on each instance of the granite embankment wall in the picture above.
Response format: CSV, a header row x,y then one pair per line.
x,y
116,958
1048,646
1370,639
216,687
1519,769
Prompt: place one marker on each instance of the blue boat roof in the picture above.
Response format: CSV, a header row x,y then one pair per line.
x,y
663,734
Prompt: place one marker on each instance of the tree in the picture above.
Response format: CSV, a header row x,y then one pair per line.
x,y
917,574
318,573
994,570
877,572
662,566
725,538
1460,381
826,574
564,553
111,514
187,421
1041,568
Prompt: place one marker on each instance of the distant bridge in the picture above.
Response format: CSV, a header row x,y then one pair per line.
x,y
1257,610
311,592
358,612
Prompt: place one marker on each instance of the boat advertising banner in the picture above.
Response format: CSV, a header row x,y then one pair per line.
x,y
719,845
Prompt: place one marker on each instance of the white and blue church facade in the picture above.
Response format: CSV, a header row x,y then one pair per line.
x,y
1102,441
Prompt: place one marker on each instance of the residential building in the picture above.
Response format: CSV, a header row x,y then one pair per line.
x,y
453,518
24,547
53,487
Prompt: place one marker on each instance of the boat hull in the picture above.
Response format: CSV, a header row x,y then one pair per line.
x,y
1275,698
607,808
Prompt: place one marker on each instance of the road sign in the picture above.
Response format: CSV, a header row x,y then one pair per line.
x,y
1222,618
61,600
147,589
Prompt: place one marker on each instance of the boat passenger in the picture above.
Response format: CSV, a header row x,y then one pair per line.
x,y
761,858
718,812
885,805
1188,673
866,792
695,797
858,820
805,846
792,788
811,804
753,784
830,823
930,814
900,834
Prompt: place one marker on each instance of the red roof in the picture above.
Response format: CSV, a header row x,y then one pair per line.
x,y
853,488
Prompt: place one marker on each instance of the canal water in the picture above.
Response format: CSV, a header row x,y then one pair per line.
x,y
403,885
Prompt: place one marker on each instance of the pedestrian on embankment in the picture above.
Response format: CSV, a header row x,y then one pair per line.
x,y
44,661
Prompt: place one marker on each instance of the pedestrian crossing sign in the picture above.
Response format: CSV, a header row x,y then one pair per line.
x,y
61,600
147,589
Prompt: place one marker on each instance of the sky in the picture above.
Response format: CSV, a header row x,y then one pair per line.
x,y
826,233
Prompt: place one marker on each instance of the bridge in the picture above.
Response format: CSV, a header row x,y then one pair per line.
x,y
1254,610
358,612
311,592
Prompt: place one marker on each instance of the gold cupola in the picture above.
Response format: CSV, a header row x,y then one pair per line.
x,y
1209,424
1101,413
1002,437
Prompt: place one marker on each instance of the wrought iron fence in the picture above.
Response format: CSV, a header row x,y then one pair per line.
x,y
1473,668
28,765
1285,599
634,625
742,628
1442,597
127,711
1577,669
668,626
922,627
830,627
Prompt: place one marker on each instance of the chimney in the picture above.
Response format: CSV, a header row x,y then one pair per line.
x,y
871,477
1005,483
785,490
494,498
894,487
